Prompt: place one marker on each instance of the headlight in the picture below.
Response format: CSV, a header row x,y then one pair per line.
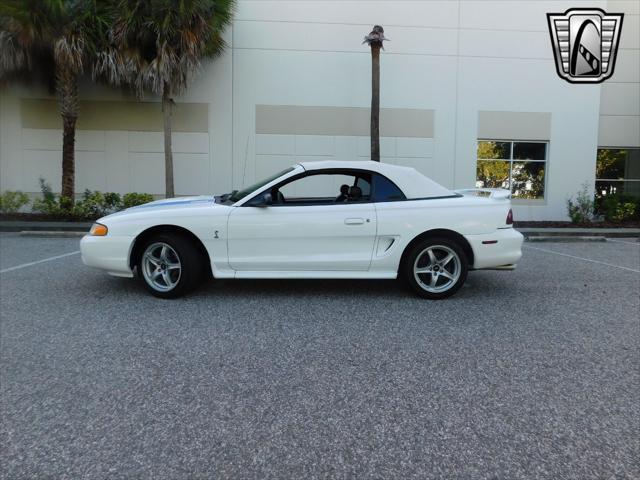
x,y
98,230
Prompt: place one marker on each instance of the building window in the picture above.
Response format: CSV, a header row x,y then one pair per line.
x,y
618,172
517,166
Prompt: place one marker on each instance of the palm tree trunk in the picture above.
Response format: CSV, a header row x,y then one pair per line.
x,y
67,87
167,105
375,102
68,157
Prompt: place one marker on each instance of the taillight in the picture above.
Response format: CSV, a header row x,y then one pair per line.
x,y
510,217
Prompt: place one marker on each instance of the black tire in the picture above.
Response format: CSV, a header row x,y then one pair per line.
x,y
445,286
191,261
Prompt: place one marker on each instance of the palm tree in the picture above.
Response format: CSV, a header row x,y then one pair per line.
x,y
55,40
374,40
159,44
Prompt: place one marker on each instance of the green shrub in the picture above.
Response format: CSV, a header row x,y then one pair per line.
x,y
619,208
50,208
48,203
47,192
134,199
97,204
608,206
62,207
65,209
112,201
12,201
581,210
624,211
92,205
621,212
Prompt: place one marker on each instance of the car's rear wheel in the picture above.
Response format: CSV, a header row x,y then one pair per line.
x,y
436,268
170,266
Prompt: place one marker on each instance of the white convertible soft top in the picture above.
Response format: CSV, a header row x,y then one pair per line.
x,y
412,183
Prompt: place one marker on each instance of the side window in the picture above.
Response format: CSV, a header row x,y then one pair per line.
x,y
316,187
384,190
364,183
325,189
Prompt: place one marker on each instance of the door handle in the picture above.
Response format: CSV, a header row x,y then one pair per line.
x,y
353,221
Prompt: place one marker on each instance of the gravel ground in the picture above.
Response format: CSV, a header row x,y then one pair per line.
x,y
526,374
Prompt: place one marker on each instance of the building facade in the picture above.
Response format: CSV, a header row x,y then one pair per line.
x,y
469,96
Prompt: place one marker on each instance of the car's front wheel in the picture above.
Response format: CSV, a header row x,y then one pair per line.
x,y
436,268
170,266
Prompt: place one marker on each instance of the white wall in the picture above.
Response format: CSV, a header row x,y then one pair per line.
x,y
453,57
122,161
620,95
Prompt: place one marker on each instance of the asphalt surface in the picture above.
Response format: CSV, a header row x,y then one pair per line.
x,y
526,374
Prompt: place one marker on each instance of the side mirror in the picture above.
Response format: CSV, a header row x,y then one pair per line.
x,y
267,200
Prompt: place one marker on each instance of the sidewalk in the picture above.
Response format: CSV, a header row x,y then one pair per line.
x,y
540,234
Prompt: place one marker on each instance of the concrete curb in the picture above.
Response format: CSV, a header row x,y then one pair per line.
x,y
49,233
581,232
19,226
564,238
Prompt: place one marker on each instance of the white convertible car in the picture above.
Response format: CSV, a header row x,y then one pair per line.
x,y
332,219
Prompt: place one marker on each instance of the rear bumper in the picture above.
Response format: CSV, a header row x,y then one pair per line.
x,y
504,249
110,253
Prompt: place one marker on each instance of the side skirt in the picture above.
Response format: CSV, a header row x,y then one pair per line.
x,y
318,275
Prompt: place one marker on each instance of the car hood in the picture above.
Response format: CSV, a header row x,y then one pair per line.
x,y
173,205
182,202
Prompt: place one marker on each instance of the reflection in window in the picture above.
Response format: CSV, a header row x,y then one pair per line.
x,y
500,165
494,149
493,174
529,151
618,172
527,179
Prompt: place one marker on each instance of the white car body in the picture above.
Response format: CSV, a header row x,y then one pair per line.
x,y
346,240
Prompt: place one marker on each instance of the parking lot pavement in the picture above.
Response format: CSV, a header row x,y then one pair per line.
x,y
525,374
16,250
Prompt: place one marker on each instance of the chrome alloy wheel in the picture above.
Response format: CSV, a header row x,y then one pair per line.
x,y
437,268
161,267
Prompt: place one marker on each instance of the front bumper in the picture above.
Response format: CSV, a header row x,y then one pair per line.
x,y
110,253
504,249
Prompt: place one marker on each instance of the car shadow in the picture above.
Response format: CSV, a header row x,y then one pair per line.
x,y
305,287
477,285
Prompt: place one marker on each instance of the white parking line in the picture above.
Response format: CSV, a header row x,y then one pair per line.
x,y
24,265
637,244
581,258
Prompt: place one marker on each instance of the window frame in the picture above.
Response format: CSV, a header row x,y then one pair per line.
x,y
356,172
512,160
622,180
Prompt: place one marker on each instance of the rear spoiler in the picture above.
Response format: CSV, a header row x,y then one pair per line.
x,y
496,193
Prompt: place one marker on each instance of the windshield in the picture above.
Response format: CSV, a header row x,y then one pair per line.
x,y
239,195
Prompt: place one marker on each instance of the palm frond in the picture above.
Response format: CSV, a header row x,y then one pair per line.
x,y
69,51
171,37
13,56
